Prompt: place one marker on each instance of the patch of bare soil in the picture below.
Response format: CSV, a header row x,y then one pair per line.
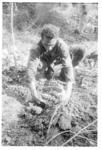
x,y
45,124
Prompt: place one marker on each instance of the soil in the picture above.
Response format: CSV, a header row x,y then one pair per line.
x,y
21,127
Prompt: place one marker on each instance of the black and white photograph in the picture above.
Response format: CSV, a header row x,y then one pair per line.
x,y
49,74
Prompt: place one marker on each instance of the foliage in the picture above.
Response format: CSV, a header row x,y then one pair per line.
x,y
78,26
37,14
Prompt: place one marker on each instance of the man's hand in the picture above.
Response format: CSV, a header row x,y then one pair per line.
x,y
66,93
65,97
35,94
34,91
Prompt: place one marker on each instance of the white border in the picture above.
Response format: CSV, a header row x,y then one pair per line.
x,y
0,68
99,147
100,75
62,1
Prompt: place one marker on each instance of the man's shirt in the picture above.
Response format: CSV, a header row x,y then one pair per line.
x,y
59,55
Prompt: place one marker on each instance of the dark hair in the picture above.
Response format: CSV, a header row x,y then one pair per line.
x,y
50,31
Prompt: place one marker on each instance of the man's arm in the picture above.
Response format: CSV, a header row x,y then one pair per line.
x,y
70,79
33,63
68,71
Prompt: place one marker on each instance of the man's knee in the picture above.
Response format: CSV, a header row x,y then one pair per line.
x,y
64,76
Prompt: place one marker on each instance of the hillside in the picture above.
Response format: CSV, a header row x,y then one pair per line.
x,y
78,25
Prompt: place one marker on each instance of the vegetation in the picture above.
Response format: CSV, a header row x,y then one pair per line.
x,y
22,23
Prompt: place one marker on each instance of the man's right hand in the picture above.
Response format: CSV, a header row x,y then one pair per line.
x,y
35,94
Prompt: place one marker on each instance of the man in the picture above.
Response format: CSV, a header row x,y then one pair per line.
x,y
51,57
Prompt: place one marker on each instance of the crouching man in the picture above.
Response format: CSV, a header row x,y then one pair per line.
x,y
51,56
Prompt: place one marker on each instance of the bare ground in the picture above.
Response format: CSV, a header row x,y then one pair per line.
x,y
23,128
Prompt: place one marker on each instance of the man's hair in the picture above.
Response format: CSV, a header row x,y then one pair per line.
x,y
50,31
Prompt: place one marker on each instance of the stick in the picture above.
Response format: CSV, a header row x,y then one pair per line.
x,y
79,132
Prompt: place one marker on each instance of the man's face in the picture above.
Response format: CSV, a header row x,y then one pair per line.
x,y
48,42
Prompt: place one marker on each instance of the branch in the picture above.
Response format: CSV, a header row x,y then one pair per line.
x,y
12,31
67,132
51,121
79,132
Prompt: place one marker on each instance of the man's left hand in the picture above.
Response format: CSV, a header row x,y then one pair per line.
x,y
66,93
64,97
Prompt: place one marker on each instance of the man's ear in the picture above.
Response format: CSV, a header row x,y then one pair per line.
x,y
76,54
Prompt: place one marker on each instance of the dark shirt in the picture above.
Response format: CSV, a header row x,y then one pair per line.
x,y
58,55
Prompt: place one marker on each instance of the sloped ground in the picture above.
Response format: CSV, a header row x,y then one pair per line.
x,y
21,127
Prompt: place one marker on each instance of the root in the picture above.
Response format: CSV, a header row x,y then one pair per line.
x,y
55,136
74,136
78,133
51,121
